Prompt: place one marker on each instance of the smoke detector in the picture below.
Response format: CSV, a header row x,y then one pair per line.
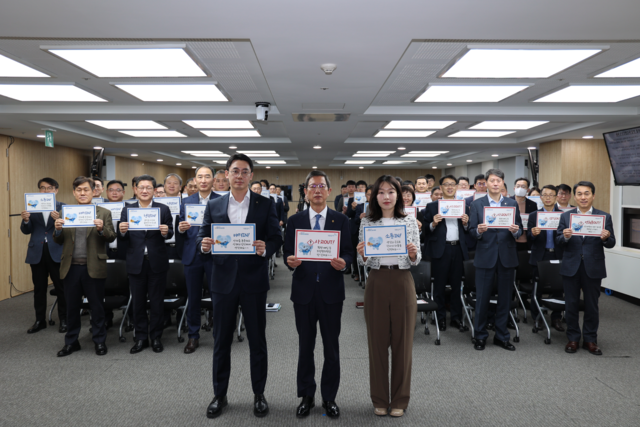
x,y
328,68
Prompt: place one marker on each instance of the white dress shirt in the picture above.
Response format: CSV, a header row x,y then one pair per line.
x,y
238,211
322,221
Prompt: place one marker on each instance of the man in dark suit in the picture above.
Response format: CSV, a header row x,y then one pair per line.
x,y
447,249
147,266
84,268
480,185
543,247
354,223
43,256
317,292
526,206
240,280
583,268
195,266
495,253
115,193
338,203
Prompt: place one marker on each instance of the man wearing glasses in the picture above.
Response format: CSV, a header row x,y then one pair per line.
x,y
43,256
240,280
159,191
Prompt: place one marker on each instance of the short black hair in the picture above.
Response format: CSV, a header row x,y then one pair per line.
x,y
52,182
531,190
277,186
429,176
420,177
343,186
564,187
448,177
317,173
463,178
204,167
147,178
437,187
361,182
399,179
584,184
272,185
407,182
95,178
254,183
82,180
351,182
522,179
494,172
188,181
160,186
550,187
134,181
239,156
115,181
265,181
478,178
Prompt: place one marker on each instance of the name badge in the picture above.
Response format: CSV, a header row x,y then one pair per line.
x,y
143,219
233,239
451,208
39,202
115,208
194,214
587,225
173,203
78,216
502,217
386,240
548,220
317,245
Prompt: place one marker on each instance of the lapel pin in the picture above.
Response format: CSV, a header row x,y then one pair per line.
x,y
332,221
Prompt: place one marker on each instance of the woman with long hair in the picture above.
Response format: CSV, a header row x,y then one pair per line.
x,y
390,306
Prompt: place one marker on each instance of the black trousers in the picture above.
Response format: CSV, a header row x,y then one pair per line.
x,y
556,295
354,263
40,274
484,287
307,318
148,284
194,275
591,291
76,284
448,269
225,311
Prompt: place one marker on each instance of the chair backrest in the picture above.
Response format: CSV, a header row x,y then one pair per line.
x,y
117,282
549,277
176,282
469,276
523,272
421,276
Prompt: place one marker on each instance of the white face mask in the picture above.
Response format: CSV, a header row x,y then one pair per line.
x,y
521,192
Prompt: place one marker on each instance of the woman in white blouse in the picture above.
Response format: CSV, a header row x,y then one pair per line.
x,y
390,305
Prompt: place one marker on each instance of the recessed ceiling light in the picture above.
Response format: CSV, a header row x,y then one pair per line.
x,y
314,167
146,62
97,148
359,162
404,133
232,147
516,63
506,125
469,161
193,167
219,124
449,164
160,160
401,148
424,153
398,162
172,92
134,155
418,124
317,147
178,164
11,68
480,133
127,124
40,136
434,167
257,151
231,133
587,137
532,148
373,153
469,93
494,155
47,93
220,162
153,133
361,167
603,93
268,167
271,162
630,69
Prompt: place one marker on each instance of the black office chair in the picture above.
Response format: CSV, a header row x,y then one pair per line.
x,y
207,306
549,281
175,295
523,285
421,274
53,293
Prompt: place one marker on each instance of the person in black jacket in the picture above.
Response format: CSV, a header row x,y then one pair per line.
x,y
354,222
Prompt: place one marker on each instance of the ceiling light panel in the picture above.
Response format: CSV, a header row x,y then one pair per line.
x,y
608,93
47,93
153,133
169,62
419,155
127,124
219,124
174,92
257,151
231,133
404,133
373,153
480,133
516,63
206,153
418,124
630,69
469,93
11,68
398,162
271,162
359,162
506,125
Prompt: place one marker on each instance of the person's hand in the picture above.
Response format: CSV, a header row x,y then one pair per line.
x,y
513,228
605,235
281,223
535,231
293,261
99,224
206,244
436,220
419,225
465,219
124,227
362,215
164,229
344,209
482,228
360,249
413,251
25,215
338,263
55,215
59,223
184,226
567,233
354,204
260,247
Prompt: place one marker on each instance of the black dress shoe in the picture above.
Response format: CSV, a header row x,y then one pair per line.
x,y
490,326
332,409
63,326
442,325
139,346
68,349
480,344
557,324
108,324
510,325
456,324
215,407
305,406
504,344
157,346
40,324
101,348
260,406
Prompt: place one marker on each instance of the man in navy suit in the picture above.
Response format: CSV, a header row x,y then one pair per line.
x,y
195,266
495,253
147,266
448,249
240,280
43,256
583,268
480,185
317,292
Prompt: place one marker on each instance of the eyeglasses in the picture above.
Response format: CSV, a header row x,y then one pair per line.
x,y
145,188
314,186
236,172
449,185
160,193
548,196
115,190
480,184
47,188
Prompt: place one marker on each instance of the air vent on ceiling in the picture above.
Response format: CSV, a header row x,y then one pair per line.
x,y
320,117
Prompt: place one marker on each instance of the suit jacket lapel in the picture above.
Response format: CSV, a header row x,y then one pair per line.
x,y
306,221
254,203
225,207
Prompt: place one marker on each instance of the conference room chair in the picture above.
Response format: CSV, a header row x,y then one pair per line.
x,y
53,293
272,265
522,282
421,274
207,306
175,294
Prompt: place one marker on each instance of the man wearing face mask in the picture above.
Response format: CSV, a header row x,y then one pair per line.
x,y
526,206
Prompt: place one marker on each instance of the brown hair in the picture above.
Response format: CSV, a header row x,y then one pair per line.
x,y
375,211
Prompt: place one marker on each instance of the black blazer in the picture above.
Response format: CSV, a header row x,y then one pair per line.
x,y
305,276
38,231
438,237
529,205
153,240
539,242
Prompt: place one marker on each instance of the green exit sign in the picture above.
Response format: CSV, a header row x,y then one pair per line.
x,y
48,138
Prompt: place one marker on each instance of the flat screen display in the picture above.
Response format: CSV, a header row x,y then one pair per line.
x,y
623,147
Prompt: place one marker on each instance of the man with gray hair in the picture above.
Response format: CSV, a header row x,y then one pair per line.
x,y
172,185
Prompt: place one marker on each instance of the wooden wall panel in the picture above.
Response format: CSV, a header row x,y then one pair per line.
x,y
5,222
550,159
127,168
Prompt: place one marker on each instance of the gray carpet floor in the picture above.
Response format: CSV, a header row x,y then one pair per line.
x,y
452,384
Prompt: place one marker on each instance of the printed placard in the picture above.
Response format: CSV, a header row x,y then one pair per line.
x,y
451,208
345,200
194,214
39,202
463,194
97,200
172,202
233,239
538,201
317,245
587,225
385,240
548,220
78,216
477,195
143,219
525,221
411,211
366,207
502,217
114,207
359,197
422,199
265,193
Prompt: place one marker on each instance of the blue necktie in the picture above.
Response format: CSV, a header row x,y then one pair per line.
x,y
317,227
